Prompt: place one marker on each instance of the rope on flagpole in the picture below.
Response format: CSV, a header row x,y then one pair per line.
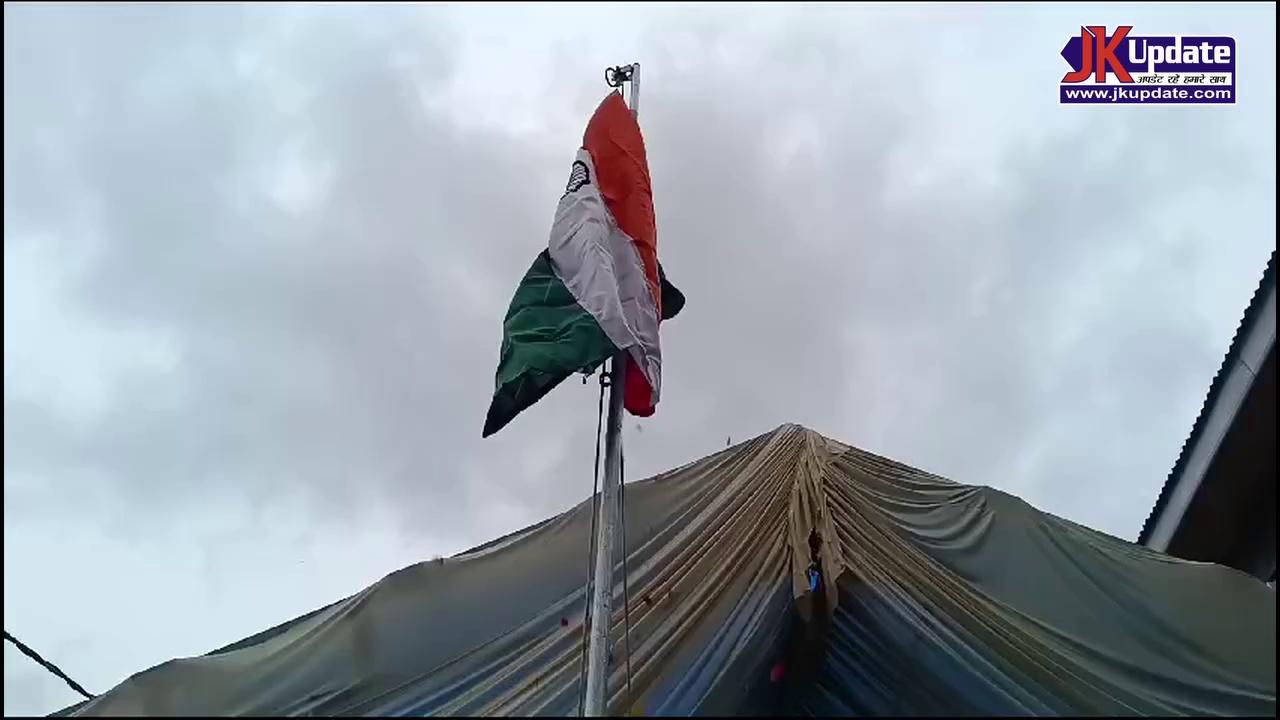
x,y
591,547
626,592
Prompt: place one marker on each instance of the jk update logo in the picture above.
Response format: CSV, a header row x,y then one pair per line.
x,y
1155,69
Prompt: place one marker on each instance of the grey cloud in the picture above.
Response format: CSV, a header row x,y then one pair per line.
x,y
313,349
1021,335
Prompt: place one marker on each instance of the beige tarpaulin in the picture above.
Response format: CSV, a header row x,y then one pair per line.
x,y
947,598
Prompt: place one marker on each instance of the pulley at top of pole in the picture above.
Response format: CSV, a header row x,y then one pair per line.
x,y
618,74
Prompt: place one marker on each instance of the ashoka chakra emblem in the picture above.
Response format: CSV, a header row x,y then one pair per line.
x,y
578,176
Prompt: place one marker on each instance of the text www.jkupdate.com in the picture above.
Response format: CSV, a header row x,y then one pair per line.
x,y
1157,94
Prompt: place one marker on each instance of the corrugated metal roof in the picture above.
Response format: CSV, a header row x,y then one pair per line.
x,y
1251,315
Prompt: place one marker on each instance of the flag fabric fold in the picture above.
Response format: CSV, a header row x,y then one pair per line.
x,y
597,288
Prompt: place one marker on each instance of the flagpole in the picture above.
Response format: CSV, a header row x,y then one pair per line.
x,y
596,699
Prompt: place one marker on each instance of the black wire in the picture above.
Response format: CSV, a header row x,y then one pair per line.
x,y
47,665
590,551
626,593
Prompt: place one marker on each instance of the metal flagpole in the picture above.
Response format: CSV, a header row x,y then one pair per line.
x,y
596,701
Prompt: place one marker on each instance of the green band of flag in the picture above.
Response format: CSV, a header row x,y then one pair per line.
x,y
546,337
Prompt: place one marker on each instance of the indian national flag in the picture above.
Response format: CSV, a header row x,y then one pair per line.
x,y
598,287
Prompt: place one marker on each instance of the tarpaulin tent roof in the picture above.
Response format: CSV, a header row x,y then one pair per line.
x,y
948,598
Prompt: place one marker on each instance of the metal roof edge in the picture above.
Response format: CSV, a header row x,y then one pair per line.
x,y
1245,331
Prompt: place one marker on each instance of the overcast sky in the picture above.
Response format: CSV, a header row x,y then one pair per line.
x,y
256,261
